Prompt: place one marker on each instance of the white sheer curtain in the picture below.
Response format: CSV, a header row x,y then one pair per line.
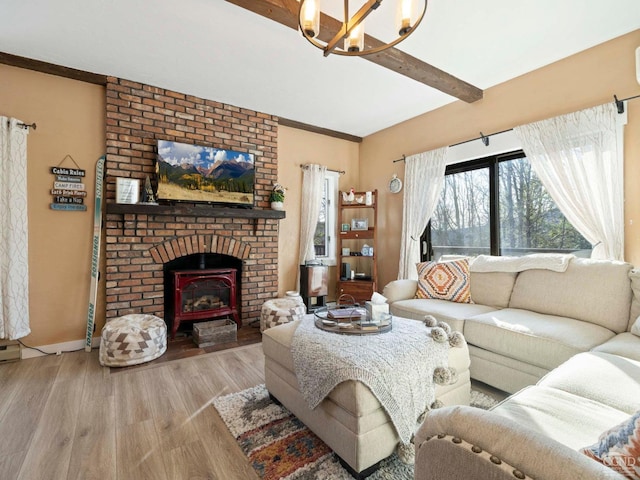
x,y
14,269
312,185
579,159
423,179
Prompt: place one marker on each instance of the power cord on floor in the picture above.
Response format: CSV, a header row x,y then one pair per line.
x,y
59,352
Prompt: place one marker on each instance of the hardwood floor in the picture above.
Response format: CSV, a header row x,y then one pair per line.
x,y
66,417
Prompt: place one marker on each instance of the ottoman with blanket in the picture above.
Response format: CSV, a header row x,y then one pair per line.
x,y
345,387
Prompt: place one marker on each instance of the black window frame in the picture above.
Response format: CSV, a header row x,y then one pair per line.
x,y
491,162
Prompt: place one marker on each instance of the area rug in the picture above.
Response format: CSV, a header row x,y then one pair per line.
x,y
279,446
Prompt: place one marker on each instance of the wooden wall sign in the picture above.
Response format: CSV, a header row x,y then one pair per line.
x,y
68,189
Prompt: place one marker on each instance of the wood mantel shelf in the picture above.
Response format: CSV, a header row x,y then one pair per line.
x,y
194,210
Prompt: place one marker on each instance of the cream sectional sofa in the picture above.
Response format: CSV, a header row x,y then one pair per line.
x,y
564,342
539,431
523,325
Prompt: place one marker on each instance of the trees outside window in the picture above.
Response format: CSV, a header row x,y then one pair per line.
x,y
324,240
497,205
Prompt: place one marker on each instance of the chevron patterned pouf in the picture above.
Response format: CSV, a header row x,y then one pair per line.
x,y
132,339
281,310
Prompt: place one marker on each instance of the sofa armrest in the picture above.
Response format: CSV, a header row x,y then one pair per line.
x,y
494,439
400,290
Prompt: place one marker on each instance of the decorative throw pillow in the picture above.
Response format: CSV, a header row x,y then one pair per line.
x,y
619,448
444,281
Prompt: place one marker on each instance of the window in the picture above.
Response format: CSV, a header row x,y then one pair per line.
x,y
324,240
498,205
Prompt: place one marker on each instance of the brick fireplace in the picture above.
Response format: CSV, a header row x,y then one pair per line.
x,y
142,239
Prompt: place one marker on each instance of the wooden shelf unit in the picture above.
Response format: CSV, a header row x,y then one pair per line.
x,y
360,289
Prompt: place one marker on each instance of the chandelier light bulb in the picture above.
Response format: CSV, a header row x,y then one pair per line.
x,y
405,15
355,41
310,18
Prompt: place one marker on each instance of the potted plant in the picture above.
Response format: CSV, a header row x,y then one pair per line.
x,y
277,197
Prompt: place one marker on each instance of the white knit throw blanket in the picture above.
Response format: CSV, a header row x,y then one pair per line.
x,y
397,366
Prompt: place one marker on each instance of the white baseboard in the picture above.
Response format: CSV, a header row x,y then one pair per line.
x,y
56,348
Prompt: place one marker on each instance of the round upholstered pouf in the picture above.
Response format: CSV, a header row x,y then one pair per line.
x,y
132,339
281,310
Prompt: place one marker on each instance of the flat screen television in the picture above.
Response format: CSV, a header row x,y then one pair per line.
x,y
195,173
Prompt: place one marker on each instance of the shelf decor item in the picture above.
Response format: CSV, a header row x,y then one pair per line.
x,y
277,197
148,196
127,190
359,224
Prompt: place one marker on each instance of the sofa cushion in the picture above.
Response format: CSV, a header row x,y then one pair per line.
x,y
400,290
569,419
492,288
624,344
450,312
577,375
542,340
444,281
619,448
596,291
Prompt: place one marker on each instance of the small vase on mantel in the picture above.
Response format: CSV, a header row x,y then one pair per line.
x,y
277,197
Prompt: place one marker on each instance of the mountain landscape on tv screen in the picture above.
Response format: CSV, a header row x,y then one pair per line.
x,y
204,174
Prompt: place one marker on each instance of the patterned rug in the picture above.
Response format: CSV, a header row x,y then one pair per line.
x,y
279,446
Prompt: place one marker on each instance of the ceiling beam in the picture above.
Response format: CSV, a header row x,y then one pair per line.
x,y
285,12
285,122
51,69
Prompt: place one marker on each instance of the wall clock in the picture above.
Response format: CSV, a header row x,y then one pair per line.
x,y
395,184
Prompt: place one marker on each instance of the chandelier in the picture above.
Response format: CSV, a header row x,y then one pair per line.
x,y
409,14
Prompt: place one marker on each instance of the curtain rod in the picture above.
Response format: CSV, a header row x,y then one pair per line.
x,y
620,103
24,125
341,172
485,138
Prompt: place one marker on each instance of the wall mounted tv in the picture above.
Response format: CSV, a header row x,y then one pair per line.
x,y
195,173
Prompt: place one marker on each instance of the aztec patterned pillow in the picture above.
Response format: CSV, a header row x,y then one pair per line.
x,y
619,448
444,281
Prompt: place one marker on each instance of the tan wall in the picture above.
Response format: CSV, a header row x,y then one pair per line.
x,y
295,148
70,121
584,80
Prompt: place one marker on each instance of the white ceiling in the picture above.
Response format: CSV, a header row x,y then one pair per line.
x,y
216,50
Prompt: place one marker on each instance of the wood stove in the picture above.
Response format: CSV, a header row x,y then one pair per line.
x,y
203,294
